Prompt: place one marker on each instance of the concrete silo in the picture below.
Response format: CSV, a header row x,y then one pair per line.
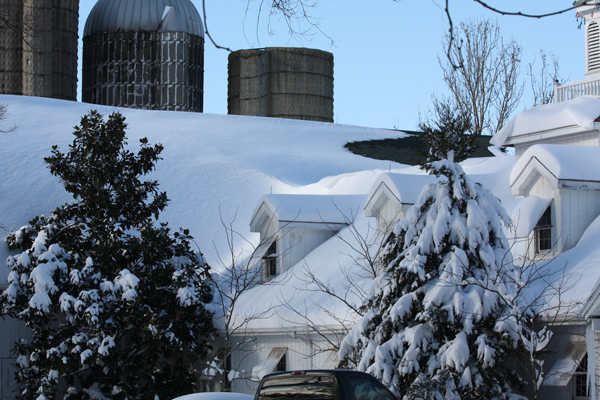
x,y
38,48
281,82
144,54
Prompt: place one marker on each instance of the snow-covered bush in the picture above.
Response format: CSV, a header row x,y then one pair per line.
x,y
441,320
115,302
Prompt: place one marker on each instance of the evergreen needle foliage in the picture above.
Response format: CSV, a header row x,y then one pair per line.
x,y
115,302
450,130
436,322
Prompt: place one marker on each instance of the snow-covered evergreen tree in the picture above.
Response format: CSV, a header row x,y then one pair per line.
x,y
116,303
438,321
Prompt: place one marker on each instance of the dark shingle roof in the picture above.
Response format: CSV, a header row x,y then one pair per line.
x,y
409,150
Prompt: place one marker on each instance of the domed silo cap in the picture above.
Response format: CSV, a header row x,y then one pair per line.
x,y
144,15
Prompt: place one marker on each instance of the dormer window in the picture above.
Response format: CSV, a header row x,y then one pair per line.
x,y
580,386
270,260
282,364
543,232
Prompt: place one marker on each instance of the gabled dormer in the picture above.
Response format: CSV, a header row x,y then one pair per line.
x,y
291,226
392,195
562,189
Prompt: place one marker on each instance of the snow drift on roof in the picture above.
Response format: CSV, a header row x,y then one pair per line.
x,y
579,163
212,164
581,111
405,187
578,271
315,208
526,215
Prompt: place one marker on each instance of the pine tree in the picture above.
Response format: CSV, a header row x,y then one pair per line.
x,y
449,130
437,321
115,302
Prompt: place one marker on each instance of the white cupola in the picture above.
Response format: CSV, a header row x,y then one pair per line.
x,y
589,11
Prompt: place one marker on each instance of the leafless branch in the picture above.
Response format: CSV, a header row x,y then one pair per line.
x,y
543,82
521,14
208,32
296,14
486,86
3,116
240,273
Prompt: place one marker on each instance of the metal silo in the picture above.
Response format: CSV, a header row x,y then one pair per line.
x,y
144,54
39,48
281,82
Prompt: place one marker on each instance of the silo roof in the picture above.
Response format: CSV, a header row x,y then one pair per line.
x,y
144,15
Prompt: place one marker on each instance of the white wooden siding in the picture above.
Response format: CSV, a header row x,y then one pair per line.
x,y
540,187
586,139
300,356
297,243
572,212
387,217
578,209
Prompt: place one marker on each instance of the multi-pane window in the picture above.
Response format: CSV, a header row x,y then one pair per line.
x,y
543,232
282,364
270,260
580,378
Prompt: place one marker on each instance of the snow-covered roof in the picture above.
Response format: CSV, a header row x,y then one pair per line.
x,y
399,188
321,211
578,274
564,166
214,170
580,112
526,215
213,165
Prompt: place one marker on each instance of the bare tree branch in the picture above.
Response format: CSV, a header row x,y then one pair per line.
x,y
544,81
521,14
208,32
486,86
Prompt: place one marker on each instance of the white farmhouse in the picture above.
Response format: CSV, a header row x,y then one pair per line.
x,y
557,170
554,196
303,239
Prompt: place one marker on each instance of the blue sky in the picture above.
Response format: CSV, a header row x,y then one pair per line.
x,y
385,52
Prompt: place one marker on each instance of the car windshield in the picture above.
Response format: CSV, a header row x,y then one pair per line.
x,y
299,387
366,388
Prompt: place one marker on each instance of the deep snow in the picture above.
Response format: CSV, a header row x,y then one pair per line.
x,y
216,164
210,163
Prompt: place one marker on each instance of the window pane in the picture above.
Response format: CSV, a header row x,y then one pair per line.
x,y
298,388
546,218
544,239
366,388
581,378
580,385
272,266
282,364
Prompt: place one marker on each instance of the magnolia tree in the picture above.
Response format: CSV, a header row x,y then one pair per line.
x,y
115,302
443,316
